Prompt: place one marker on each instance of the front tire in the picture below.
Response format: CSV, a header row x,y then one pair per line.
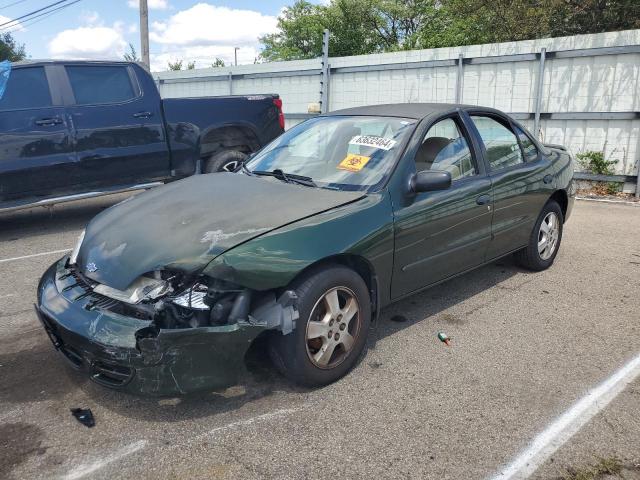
x,y
331,332
225,161
545,239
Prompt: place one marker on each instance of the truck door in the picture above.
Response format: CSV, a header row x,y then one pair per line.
x,y
36,151
118,125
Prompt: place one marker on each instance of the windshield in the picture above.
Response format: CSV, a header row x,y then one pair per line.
x,y
345,153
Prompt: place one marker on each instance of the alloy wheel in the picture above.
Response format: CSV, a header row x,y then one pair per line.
x,y
333,327
548,235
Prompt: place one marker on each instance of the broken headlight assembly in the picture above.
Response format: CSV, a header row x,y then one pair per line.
x,y
206,302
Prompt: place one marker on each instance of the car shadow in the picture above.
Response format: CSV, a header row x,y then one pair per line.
x,y
430,303
262,379
58,218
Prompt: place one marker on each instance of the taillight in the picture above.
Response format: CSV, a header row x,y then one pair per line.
x,y
278,103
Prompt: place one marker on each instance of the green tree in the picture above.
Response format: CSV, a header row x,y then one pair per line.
x,y
191,65
369,26
300,33
571,17
177,65
218,62
131,55
10,50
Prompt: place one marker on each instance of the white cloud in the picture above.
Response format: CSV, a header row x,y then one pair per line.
x,y
88,17
14,27
88,43
203,32
205,24
204,56
152,4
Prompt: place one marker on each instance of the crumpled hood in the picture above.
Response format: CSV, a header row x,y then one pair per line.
x,y
188,223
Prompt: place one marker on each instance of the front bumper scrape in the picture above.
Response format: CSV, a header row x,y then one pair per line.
x,y
131,354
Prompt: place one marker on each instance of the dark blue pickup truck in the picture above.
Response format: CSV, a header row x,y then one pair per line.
x,y
71,130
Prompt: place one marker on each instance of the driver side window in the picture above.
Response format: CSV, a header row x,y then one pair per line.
x,y
445,148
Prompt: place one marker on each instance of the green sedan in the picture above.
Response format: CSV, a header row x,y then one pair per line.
x,y
304,245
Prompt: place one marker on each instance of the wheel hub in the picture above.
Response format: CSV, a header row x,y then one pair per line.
x,y
335,320
548,235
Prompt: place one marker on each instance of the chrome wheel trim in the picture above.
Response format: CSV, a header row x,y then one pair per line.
x,y
230,166
332,328
548,235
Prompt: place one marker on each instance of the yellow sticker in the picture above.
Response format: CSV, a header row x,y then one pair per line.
x,y
353,162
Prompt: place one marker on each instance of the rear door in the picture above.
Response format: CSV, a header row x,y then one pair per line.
x,y
442,233
521,180
36,151
119,131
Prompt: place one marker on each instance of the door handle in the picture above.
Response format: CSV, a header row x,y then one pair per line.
x,y
483,200
548,178
48,122
143,114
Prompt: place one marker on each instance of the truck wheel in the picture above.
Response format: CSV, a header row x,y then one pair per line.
x,y
225,161
544,241
331,332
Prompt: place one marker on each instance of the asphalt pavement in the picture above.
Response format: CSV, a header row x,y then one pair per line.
x,y
527,349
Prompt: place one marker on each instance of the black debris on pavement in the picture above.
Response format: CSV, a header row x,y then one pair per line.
x,y
84,416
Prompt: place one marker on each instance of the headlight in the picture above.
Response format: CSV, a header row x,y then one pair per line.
x,y
73,258
193,297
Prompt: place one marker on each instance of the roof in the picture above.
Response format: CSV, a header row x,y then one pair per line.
x,y
405,110
53,62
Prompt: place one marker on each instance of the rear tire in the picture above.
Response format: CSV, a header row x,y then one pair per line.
x,y
225,161
544,241
331,332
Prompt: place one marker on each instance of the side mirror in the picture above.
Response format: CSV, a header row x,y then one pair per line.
x,y
430,180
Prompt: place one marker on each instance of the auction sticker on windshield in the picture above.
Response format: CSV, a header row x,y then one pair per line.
x,y
373,141
353,162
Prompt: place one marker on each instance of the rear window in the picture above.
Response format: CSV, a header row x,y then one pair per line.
x,y
529,149
100,84
26,88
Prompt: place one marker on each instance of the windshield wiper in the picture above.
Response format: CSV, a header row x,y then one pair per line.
x,y
287,177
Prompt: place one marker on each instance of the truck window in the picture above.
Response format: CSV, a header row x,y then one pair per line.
x,y
100,84
26,88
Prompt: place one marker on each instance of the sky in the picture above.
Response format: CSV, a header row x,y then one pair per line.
x,y
189,30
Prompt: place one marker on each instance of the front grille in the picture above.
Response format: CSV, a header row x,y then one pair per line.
x,y
95,299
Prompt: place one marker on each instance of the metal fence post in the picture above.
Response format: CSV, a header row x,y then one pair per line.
x,y
230,83
638,180
459,79
539,91
324,82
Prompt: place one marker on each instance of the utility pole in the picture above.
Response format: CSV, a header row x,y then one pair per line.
x,y
144,33
235,52
325,72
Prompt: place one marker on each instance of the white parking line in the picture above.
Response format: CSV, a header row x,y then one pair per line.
x,y
565,426
23,257
87,468
230,426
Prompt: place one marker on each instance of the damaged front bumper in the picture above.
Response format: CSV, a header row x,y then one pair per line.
x,y
132,354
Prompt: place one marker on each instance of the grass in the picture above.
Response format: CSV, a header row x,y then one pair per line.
x,y
605,466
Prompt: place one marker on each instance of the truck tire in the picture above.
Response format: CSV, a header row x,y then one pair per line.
x,y
225,161
334,307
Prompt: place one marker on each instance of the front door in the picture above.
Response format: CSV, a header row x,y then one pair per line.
x,y
36,151
120,137
442,233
